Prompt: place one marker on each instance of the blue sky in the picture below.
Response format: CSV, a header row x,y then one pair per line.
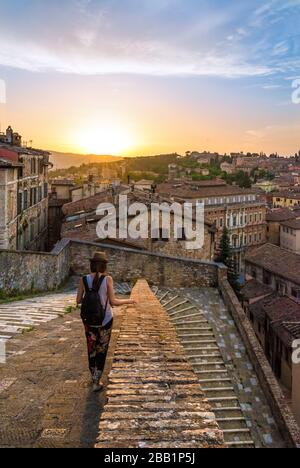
x,y
216,57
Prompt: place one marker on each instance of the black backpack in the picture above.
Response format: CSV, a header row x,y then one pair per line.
x,y
92,311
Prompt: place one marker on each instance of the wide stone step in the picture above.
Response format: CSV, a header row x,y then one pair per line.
x,y
227,411
195,334
241,444
191,343
172,310
183,319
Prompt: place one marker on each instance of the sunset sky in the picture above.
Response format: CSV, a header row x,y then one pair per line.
x,y
144,77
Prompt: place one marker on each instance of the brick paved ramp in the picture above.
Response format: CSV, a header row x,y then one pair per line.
x,y
154,399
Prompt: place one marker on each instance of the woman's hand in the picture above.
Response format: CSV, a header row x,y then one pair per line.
x,y
132,302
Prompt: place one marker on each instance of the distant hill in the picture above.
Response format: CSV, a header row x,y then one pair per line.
x,y
66,160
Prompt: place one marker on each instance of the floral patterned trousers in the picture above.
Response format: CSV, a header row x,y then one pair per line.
x,y
97,343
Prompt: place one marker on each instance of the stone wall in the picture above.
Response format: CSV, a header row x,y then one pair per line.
x,y
154,399
130,265
281,411
22,272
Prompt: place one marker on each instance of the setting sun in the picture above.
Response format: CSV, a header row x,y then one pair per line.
x,y
104,139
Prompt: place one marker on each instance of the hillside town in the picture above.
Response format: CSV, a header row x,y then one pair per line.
x,y
252,225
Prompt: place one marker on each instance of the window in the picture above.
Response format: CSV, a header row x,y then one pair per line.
x,y
181,234
296,293
267,278
221,222
45,190
33,166
25,199
40,194
20,202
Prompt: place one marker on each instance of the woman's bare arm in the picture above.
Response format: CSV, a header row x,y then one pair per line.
x,y
80,292
114,302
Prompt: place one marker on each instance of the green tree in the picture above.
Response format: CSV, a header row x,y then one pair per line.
x,y
226,257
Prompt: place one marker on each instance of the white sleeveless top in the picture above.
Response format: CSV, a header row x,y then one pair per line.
x,y
104,299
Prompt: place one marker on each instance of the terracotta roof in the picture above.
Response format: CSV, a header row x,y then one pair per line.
x,y
293,224
189,190
23,150
257,309
277,261
284,315
279,215
8,154
293,195
87,232
254,289
90,204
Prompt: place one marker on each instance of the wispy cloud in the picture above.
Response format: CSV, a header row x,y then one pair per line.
x,y
155,37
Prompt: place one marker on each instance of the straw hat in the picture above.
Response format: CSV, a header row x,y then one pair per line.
x,y
99,257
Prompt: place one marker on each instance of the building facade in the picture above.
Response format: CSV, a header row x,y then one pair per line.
x,y
239,210
275,267
290,236
23,198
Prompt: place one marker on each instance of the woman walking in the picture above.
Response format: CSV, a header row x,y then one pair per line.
x,y
97,296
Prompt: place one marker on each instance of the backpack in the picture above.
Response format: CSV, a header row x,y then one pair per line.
x,y
92,311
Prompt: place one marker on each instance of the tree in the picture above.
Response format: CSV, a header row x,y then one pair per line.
x,y
226,257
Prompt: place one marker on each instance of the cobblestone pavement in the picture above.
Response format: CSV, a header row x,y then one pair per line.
x,y
45,391
252,401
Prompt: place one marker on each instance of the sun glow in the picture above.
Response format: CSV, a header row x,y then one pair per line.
x,y
104,139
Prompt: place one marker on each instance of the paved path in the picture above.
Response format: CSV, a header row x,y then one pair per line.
x,y
45,391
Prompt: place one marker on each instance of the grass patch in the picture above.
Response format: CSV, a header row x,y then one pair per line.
x,y
28,330
70,310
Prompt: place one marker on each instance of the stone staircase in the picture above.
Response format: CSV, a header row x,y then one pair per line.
x,y
197,335
23,316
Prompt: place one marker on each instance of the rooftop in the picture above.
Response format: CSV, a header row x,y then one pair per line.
x,y
253,289
200,189
293,224
280,215
277,261
22,150
293,195
284,316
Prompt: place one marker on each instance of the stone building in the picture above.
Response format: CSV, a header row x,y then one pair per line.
x,y
275,267
62,189
81,220
275,218
286,199
290,236
271,300
23,196
276,322
240,210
